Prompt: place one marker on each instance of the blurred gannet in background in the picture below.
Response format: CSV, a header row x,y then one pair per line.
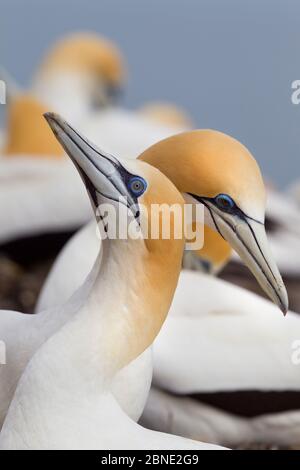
x,y
82,72
2,140
79,75
184,416
40,190
104,328
28,134
166,113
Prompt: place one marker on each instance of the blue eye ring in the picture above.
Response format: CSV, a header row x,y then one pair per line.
x,y
137,185
225,202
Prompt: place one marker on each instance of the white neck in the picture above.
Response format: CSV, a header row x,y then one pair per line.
x,y
120,317
66,92
72,371
108,316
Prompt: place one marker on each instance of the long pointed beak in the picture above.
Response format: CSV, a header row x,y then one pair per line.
x,y
248,238
102,174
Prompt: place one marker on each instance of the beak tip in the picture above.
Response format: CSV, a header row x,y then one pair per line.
x,y
284,302
55,122
49,116
54,119
285,309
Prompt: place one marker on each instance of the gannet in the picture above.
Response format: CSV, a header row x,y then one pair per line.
x,y
74,372
80,73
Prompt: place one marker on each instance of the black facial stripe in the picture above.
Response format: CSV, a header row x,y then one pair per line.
x,y
235,211
89,186
87,156
136,215
251,218
244,217
213,217
124,173
119,167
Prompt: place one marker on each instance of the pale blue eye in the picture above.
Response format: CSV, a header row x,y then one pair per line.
x,y
137,186
225,202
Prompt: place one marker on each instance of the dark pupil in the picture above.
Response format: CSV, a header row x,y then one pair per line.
x,y
137,186
225,202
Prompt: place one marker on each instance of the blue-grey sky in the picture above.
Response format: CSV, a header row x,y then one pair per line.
x,y
230,63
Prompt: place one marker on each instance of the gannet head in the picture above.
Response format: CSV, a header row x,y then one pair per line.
x,y
95,60
134,184
215,170
27,132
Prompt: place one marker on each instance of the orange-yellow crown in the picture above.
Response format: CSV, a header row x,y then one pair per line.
x,y
208,163
27,131
86,52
